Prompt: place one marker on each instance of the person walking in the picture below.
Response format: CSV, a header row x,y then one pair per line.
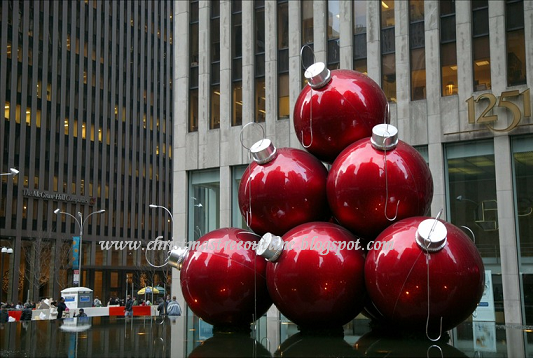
x,y
174,308
97,302
129,307
61,307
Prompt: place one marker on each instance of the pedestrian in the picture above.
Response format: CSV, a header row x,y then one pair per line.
x,y
81,314
129,307
162,307
174,308
4,315
97,302
61,307
26,312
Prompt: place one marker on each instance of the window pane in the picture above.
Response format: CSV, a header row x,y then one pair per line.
x,y
359,10
215,107
283,88
193,110
418,74
516,58
449,69
204,202
471,180
307,22
238,219
237,104
482,80
387,13
523,176
260,112
389,76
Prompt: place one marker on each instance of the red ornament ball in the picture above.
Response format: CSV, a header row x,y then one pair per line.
x,y
336,109
282,188
317,281
222,279
396,274
366,192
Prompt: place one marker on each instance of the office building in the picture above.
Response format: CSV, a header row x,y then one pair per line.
x,y
457,75
87,93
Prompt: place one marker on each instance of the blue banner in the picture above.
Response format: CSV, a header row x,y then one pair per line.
x,y
75,252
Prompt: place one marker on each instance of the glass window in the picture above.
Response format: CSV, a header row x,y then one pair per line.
x,y
307,36
215,107
283,59
388,57
516,55
523,188
237,219
417,53
236,69
193,58
333,34
204,199
471,182
260,100
260,106
359,39
215,65
481,45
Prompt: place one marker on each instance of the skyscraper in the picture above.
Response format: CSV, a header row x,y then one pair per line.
x,y
87,92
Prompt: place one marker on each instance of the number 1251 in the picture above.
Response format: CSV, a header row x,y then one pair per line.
x,y
488,119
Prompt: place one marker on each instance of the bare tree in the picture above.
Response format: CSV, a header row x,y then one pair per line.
x,y
64,253
38,254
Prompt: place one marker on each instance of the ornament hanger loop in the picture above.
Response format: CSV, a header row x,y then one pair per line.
x,y
428,286
153,265
242,133
434,346
469,229
387,183
302,55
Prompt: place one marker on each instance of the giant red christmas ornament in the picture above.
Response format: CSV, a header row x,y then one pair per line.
x,y
282,188
222,279
422,266
315,276
376,181
337,108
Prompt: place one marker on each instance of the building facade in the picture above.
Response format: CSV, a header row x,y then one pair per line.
x,y
87,121
457,75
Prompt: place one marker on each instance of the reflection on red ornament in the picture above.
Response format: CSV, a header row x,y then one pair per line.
x,y
336,109
366,192
397,279
282,188
316,275
223,281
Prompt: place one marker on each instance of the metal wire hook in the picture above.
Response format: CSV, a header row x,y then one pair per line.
x,y
242,132
434,346
302,55
473,235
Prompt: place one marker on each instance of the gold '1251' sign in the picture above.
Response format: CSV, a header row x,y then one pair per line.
x,y
488,119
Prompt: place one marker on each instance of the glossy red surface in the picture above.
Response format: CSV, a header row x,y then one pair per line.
x,y
342,112
357,193
314,289
286,192
221,282
396,279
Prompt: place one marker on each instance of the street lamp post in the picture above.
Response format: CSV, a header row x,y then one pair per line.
x,y
8,251
80,223
12,171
